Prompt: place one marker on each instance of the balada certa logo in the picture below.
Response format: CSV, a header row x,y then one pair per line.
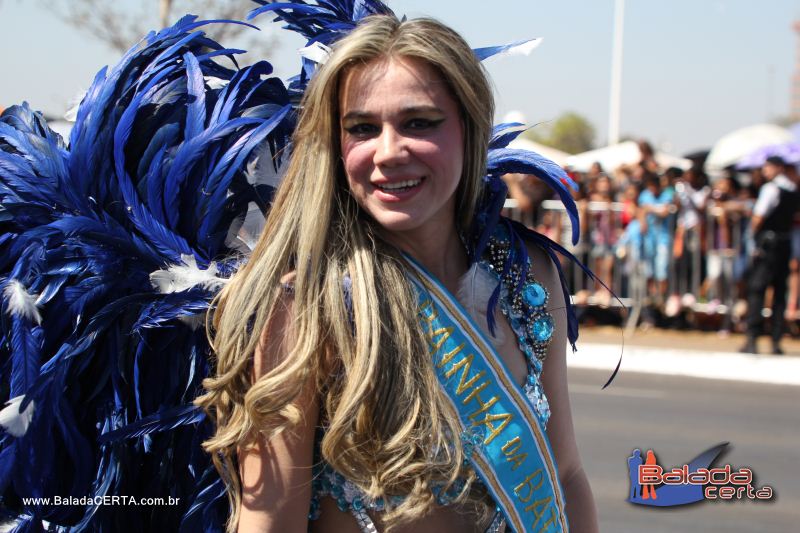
x,y
655,486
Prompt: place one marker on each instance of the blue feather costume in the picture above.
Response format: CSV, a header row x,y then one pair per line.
x,y
102,347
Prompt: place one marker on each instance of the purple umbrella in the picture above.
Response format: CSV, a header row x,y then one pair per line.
x,y
789,152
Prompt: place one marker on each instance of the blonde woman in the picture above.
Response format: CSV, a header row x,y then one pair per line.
x,y
342,393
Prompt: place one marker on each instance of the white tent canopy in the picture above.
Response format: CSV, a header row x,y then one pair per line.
x,y
742,142
556,156
624,153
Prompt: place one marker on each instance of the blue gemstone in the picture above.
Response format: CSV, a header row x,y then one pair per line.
x,y
341,503
534,294
543,328
531,380
358,504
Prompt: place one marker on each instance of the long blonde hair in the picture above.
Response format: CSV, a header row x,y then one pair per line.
x,y
316,229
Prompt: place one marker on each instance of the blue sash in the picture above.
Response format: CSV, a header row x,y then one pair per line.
x,y
513,457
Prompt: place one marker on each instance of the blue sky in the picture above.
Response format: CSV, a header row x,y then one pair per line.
x,y
692,71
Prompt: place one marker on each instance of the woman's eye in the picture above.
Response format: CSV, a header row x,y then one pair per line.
x,y
362,130
422,123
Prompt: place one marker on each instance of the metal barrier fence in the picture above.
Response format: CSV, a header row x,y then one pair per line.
x,y
703,278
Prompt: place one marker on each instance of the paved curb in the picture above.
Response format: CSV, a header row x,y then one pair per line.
x,y
781,370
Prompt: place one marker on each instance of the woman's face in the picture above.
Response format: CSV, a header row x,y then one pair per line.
x,y
402,143
603,185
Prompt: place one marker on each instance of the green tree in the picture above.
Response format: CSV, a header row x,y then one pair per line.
x,y
570,132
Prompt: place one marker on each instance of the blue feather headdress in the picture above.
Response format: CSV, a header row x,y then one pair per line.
x,y
112,248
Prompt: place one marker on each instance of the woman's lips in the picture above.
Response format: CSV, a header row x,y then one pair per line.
x,y
398,194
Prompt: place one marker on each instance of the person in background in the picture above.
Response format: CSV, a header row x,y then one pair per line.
x,y
648,161
725,214
595,171
529,193
655,217
604,234
794,262
771,226
584,247
691,192
628,248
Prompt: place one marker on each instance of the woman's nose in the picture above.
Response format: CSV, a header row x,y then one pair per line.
x,y
390,147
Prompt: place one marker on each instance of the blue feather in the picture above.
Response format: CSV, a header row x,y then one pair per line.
x,y
8,456
77,447
230,52
187,155
505,160
169,308
488,214
26,343
166,420
165,136
228,96
297,8
196,112
501,135
195,518
211,209
155,185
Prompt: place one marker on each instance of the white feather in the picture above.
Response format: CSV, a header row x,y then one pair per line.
x,y
20,302
474,290
13,421
267,168
316,52
215,83
244,232
182,277
523,49
74,103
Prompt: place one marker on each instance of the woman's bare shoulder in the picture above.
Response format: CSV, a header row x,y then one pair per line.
x,y
277,335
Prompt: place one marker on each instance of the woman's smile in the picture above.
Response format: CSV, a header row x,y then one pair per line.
x,y
398,190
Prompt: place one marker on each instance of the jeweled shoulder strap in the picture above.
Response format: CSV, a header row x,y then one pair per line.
x,y
513,458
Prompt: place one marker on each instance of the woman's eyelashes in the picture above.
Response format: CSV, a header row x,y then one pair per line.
x,y
363,129
413,126
422,124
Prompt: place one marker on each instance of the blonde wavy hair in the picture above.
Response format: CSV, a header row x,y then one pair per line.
x,y
317,230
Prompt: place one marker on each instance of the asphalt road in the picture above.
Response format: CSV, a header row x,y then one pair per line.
x,y
678,418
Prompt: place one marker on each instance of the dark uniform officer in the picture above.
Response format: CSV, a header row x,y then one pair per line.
x,y
772,226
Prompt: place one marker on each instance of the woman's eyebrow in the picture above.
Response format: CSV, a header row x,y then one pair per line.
x,y
410,110
357,115
421,109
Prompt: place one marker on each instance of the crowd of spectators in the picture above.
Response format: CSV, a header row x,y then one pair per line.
x,y
684,238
